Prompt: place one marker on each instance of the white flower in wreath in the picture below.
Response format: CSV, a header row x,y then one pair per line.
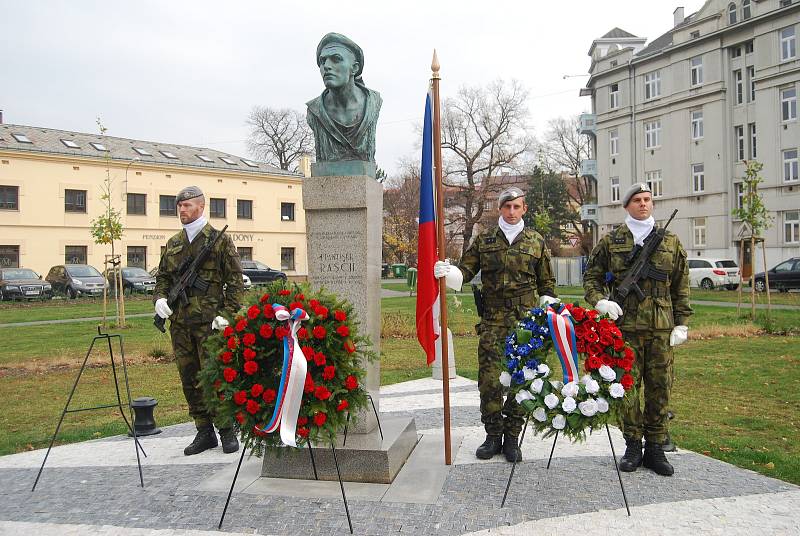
x,y
536,385
569,404
529,373
585,378
570,389
608,373
551,401
543,370
522,396
505,379
592,387
602,405
559,422
539,414
616,390
588,407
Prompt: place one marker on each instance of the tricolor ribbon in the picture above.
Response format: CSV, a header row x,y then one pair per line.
x,y
562,331
293,378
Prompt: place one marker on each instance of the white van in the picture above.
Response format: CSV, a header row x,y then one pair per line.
x,y
713,273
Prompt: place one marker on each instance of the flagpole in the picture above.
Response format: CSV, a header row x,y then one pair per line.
x,y
445,341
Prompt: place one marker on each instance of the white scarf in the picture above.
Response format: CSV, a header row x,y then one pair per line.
x,y
510,230
639,228
194,228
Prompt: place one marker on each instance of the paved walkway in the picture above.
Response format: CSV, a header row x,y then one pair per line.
x,y
92,488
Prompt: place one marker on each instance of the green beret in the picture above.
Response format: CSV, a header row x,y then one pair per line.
x,y
509,194
346,42
637,188
190,192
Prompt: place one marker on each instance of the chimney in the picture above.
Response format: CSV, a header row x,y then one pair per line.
x,y
677,16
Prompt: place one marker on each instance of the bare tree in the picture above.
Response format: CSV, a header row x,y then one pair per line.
x,y
483,129
279,137
562,150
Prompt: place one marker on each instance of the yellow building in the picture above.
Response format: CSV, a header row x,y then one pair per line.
x,y
51,189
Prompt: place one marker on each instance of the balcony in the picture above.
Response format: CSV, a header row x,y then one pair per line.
x,y
589,213
588,124
589,168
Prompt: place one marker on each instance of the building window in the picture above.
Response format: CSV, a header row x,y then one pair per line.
x,y
699,228
142,151
731,13
652,85
745,9
9,256
738,132
22,138
71,144
245,254
737,77
205,158
790,165
791,227
753,151
613,142
751,80
788,45
653,179
167,206
217,207
75,201
739,188
137,204
9,197
244,209
74,254
287,258
99,146
170,155
652,134
698,178
137,257
696,71
789,104
697,124
287,211
736,52
614,94
615,189
749,47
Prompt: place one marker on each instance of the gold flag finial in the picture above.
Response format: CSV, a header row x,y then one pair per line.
x,y
435,64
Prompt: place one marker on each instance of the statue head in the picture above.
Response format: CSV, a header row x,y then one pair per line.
x,y
340,61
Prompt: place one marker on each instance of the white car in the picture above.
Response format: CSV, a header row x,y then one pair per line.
x,y
247,283
713,273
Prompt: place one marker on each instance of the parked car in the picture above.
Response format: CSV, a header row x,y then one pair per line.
x,y
713,273
76,280
783,277
246,280
134,279
23,283
258,272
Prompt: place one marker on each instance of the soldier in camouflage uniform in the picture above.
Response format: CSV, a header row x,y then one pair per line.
x,y
652,325
190,325
515,271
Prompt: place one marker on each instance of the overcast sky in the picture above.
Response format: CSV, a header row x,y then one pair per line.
x,y
189,72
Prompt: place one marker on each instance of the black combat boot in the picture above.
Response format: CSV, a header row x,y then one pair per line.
x,y
633,456
227,436
204,440
493,445
511,448
655,459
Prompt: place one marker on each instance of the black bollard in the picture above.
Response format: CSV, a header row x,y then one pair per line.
x,y
144,422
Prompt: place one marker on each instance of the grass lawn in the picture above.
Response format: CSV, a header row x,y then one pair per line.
x,y
726,407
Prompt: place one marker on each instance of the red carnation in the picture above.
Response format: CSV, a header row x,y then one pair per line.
x,y
606,340
284,292
319,332
249,339
321,312
233,342
250,367
240,397
241,325
619,344
595,349
626,381
269,396
264,298
281,332
239,417
578,313
299,297
349,346
217,384
343,405
295,305
343,331
592,314
249,354
308,352
309,385
607,360
227,332
320,418
581,346
329,372
302,334
253,312
256,390
302,421
265,331
302,432
322,393
222,397
594,362
629,353
339,315
229,374
319,359
226,357
269,312
351,382
591,336
313,303
252,407
626,364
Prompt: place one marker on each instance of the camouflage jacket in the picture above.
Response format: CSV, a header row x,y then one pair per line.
x,y
666,304
519,272
222,270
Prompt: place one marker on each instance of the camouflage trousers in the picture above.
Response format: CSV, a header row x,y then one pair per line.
x,y
187,342
491,350
654,362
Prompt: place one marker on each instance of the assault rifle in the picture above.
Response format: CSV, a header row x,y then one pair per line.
x,y
476,293
188,278
642,268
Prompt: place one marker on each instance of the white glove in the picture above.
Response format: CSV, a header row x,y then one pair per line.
x,y
546,300
162,309
219,323
679,335
453,277
610,308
